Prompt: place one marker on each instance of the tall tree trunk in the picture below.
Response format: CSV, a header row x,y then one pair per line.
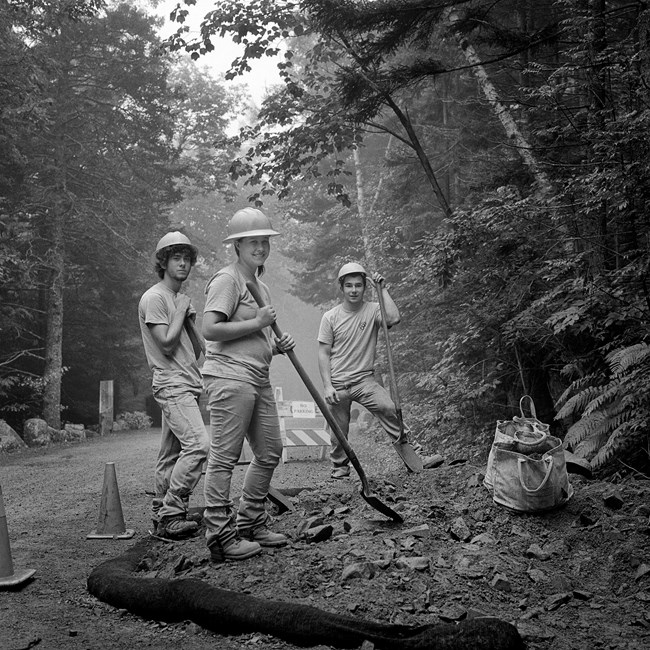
x,y
364,215
596,223
54,332
545,187
53,370
412,138
380,182
503,114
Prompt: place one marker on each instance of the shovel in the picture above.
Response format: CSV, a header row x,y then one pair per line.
x,y
402,446
370,499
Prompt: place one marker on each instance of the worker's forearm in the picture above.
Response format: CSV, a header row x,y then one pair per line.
x,y
392,312
230,330
173,335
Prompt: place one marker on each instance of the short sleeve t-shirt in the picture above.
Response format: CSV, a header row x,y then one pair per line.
x,y
353,337
157,307
246,358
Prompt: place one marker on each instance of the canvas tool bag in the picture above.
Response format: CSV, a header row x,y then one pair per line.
x,y
527,428
526,468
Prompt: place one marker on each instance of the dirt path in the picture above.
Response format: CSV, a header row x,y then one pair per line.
x,y
52,498
573,579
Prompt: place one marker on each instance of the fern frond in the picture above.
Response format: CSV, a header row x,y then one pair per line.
x,y
621,360
608,394
589,447
586,427
578,385
576,404
620,440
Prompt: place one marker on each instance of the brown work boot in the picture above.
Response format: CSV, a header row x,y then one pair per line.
x,y
176,527
196,517
234,549
264,537
340,471
429,462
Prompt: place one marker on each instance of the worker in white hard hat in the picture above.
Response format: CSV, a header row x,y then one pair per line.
x,y
347,341
172,346
240,346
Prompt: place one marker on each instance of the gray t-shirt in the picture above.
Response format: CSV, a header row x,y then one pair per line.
x,y
248,357
353,337
157,307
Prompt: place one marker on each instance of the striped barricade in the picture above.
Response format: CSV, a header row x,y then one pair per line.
x,y
304,438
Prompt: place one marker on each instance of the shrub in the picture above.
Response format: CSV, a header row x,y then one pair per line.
x,y
135,420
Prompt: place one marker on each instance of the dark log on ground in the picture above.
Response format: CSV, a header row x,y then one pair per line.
x,y
228,613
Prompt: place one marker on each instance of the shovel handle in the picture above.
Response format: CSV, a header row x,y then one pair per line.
x,y
198,342
389,352
313,391
389,355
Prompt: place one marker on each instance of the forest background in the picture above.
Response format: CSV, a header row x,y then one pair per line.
x,y
490,158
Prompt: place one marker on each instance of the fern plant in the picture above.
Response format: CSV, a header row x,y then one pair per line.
x,y
611,411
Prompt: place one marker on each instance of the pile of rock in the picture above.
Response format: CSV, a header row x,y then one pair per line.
x,y
37,433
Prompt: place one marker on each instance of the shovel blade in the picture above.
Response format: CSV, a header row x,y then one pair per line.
x,y
406,452
380,506
276,497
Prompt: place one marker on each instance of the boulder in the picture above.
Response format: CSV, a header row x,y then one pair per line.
x,y
9,439
36,433
75,433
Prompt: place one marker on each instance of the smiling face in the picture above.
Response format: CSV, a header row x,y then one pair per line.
x,y
353,288
253,251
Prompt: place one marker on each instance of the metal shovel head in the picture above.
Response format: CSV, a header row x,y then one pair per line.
x,y
281,502
406,452
380,506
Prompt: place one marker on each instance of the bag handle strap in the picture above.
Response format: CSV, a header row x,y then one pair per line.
x,y
531,405
535,436
549,469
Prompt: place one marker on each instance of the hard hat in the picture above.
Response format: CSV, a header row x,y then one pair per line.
x,y
174,239
351,268
249,222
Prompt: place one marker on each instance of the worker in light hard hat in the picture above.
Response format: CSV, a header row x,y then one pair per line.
x,y
347,341
172,346
240,346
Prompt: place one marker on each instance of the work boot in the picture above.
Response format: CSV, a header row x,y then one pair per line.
x,y
428,462
340,471
234,549
196,517
176,527
264,537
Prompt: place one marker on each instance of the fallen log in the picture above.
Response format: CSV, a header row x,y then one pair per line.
x,y
228,612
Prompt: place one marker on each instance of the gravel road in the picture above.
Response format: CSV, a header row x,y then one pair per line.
x,y
52,499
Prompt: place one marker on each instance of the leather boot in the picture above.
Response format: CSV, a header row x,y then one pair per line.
x,y
234,549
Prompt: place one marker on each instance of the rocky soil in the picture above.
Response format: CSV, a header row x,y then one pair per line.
x,y
576,578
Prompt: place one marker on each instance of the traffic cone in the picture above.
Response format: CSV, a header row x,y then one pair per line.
x,y
8,577
111,520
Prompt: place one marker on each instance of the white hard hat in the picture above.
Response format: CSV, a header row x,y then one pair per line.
x,y
173,239
249,222
351,268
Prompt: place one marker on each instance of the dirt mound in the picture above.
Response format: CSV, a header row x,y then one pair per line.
x,y
574,578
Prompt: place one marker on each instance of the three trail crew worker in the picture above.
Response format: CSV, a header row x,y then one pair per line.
x,y
347,341
163,313
240,346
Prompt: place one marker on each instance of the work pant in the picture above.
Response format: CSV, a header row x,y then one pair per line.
x,y
184,447
238,411
372,396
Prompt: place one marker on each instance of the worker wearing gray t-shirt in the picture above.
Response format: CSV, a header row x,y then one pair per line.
x,y
172,346
347,342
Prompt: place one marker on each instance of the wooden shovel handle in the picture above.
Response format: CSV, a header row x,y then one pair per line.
x,y
313,391
389,352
